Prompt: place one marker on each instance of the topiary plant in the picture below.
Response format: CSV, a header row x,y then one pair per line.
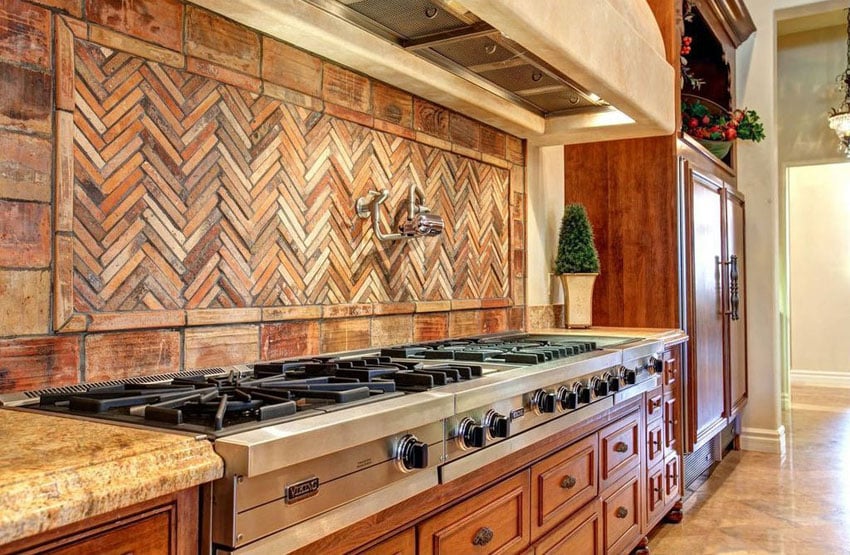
x,y
576,251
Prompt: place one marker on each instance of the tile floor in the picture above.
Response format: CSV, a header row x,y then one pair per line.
x,y
757,503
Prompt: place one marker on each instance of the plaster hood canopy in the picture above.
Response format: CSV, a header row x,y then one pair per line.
x,y
550,71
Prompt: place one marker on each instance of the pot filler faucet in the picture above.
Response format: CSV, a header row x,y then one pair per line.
x,y
420,222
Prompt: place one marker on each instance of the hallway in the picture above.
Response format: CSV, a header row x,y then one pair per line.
x,y
756,503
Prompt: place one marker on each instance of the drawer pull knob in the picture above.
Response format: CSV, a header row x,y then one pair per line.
x,y
621,512
621,447
568,482
482,536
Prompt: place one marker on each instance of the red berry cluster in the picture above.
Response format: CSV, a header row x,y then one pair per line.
x,y
716,128
686,46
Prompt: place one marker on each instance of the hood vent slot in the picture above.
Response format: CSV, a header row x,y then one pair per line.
x,y
460,42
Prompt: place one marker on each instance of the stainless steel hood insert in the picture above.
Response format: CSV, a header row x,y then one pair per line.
x,y
458,41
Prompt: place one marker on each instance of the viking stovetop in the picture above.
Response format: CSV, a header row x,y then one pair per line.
x,y
313,445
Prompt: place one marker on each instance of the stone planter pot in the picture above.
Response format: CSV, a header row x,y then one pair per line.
x,y
578,299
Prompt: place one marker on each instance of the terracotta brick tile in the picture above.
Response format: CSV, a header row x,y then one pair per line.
x,y
494,320
430,119
346,310
39,362
292,68
516,318
213,38
293,97
212,316
108,321
119,41
427,327
73,7
392,105
348,114
157,21
493,142
308,312
346,88
394,129
392,330
221,345
24,33
495,303
386,309
465,132
25,167
114,356
465,322
223,74
516,150
289,339
26,99
24,234
24,302
344,334
63,64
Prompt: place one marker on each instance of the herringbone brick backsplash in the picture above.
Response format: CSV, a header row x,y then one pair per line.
x,y
190,193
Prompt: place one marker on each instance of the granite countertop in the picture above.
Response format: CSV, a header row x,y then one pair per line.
x,y
668,336
56,470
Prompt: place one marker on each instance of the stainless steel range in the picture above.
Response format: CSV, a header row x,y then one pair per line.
x,y
313,445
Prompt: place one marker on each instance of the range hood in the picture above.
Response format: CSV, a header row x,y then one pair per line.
x,y
550,71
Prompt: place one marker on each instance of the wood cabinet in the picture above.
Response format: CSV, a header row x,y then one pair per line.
x,y
735,283
620,445
493,521
164,526
403,543
581,534
621,513
562,483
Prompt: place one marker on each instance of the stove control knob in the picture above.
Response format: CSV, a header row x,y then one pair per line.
x,y
613,381
497,424
543,401
471,434
656,365
412,453
582,392
567,398
628,376
599,386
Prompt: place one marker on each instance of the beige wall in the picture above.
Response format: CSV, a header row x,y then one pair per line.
x,y
819,232
545,208
807,64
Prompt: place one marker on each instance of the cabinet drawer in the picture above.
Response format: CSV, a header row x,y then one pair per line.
x,y
149,536
672,478
620,448
562,483
672,370
654,442
654,404
403,543
493,521
655,499
581,534
671,424
621,514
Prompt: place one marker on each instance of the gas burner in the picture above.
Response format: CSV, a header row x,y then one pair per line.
x,y
510,350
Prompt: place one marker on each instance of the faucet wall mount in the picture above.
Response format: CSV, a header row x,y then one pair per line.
x,y
420,222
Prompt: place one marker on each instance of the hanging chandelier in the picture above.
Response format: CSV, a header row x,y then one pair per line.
x,y
839,118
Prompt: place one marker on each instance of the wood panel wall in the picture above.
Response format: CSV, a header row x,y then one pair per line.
x,y
177,190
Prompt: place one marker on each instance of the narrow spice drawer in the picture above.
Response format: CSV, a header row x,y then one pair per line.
x,y
654,404
493,521
671,424
672,478
655,499
621,514
581,534
654,442
620,448
562,483
671,369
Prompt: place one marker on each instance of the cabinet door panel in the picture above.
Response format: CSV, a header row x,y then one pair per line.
x,y
621,513
654,442
707,401
581,534
620,448
672,414
494,521
150,536
737,327
654,496
563,483
403,543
